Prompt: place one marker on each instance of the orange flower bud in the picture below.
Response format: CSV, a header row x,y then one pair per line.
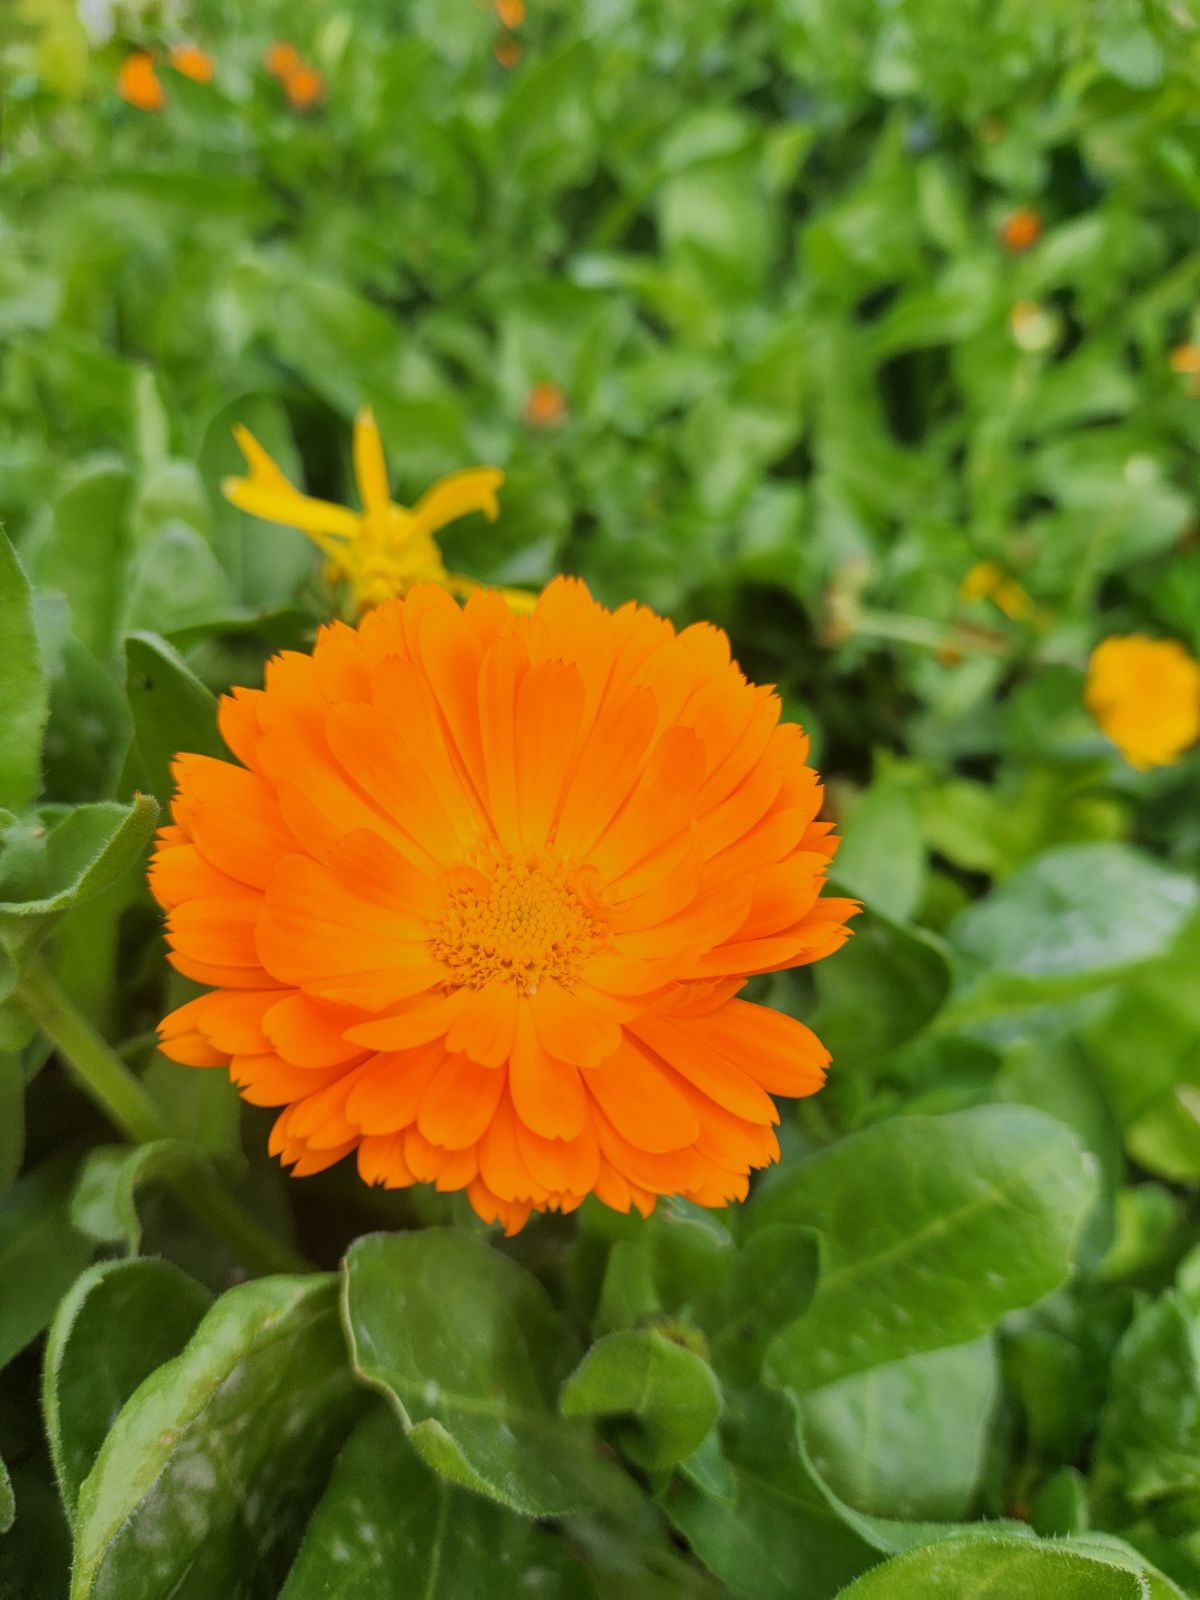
x,y
1021,229
305,88
511,12
507,53
193,62
282,59
137,82
545,405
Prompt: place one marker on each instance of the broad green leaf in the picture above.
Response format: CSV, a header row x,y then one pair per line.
x,y
1083,910
88,732
89,849
1009,1569
213,1458
23,692
887,984
772,1283
119,1322
907,1438
881,858
782,1534
41,1254
1148,1447
932,1229
665,1395
104,1200
88,554
387,1525
172,710
467,1347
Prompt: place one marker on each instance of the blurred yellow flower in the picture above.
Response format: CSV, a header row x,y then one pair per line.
x,y
137,82
988,581
385,549
1145,694
193,62
1185,358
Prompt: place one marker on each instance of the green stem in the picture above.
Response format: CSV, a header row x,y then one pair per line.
x,y
125,1101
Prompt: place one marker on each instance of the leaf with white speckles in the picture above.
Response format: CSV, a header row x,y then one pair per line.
x,y
468,1348
208,1466
388,1526
932,1228
120,1321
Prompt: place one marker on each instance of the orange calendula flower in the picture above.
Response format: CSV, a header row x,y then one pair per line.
x,y
1145,694
304,87
1021,229
138,84
478,901
385,549
545,406
281,59
193,62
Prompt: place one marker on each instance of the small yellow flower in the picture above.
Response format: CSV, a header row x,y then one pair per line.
x,y
385,549
1145,694
988,581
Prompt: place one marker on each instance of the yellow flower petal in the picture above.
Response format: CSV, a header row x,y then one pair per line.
x,y
370,466
317,518
456,496
1145,695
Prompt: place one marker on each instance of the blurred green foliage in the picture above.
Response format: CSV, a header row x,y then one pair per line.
x,y
758,246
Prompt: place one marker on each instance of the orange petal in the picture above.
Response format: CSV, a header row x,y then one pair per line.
x,y
547,1094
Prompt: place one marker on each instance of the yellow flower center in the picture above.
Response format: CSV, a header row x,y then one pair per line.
x,y
518,918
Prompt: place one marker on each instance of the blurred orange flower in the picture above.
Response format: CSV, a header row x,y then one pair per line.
x,y
282,58
511,12
545,405
304,87
137,82
1021,229
193,62
1145,694
477,904
508,53
1185,358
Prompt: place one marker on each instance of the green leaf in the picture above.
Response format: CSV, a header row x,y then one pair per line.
x,y
8,1504
1086,910
1016,1569
199,1483
119,1322
23,691
89,849
12,1118
669,1394
887,984
172,710
773,1281
387,1525
41,1254
104,1203
932,1229
907,1438
88,553
1148,1447
881,858
467,1347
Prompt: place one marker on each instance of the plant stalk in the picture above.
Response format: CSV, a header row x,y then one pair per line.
x,y
122,1097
